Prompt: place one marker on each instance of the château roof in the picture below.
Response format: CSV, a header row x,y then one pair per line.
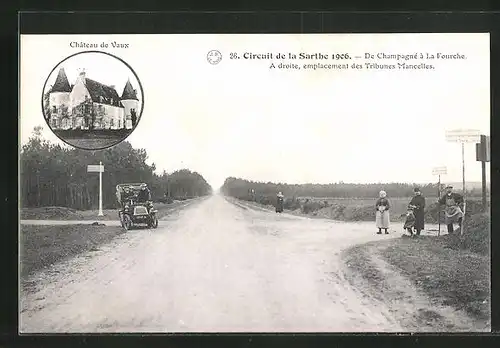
x,y
98,90
129,92
62,83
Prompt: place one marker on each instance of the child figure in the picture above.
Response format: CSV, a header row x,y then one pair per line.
x,y
410,220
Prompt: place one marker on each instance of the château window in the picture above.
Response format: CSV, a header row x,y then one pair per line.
x,y
112,122
111,101
54,109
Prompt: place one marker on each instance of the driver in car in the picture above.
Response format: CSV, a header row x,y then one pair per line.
x,y
144,195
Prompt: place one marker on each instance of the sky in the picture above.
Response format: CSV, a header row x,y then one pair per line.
x,y
240,118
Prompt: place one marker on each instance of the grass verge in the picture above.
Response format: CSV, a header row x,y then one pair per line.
x,y
451,270
42,246
353,209
67,214
460,278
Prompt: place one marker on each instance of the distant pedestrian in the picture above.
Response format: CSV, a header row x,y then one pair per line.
x,y
418,205
382,218
453,208
279,202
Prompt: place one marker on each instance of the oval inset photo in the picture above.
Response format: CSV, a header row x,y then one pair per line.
x,y
92,100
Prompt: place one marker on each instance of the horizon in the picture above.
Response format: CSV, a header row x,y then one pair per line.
x,y
159,172
240,119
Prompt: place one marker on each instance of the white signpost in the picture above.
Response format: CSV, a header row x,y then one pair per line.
x,y
97,168
463,136
439,171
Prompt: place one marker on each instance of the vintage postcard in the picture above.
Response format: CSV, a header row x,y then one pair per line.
x,y
254,183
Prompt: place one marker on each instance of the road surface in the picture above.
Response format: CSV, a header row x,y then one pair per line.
x,y
211,267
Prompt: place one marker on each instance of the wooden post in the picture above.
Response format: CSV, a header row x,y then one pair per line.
x,y
483,155
463,188
100,191
439,171
97,168
483,169
439,206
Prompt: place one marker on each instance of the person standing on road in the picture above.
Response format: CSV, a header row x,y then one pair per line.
x,y
453,208
279,202
418,205
382,214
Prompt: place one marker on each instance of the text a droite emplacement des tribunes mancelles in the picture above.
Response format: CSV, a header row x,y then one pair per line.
x,y
403,61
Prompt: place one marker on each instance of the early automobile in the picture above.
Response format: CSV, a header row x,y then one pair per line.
x,y
134,212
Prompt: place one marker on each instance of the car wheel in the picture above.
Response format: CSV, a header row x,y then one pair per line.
x,y
127,222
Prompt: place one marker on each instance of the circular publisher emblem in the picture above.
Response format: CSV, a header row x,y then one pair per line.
x,y
214,57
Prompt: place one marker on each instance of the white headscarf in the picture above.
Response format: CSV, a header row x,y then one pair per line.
x,y
382,194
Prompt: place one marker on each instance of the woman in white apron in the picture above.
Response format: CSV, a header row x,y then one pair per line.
x,y
382,218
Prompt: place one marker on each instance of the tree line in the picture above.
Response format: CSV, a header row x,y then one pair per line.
x,y
242,188
52,175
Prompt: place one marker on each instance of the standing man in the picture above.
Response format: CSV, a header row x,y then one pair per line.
x,y
418,204
279,202
453,208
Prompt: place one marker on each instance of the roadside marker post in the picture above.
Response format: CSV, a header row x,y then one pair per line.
x,y
463,136
483,155
439,171
97,168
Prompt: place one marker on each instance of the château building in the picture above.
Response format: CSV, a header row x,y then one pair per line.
x,y
89,105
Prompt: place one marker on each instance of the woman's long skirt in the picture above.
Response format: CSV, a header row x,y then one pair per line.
x,y
419,220
382,219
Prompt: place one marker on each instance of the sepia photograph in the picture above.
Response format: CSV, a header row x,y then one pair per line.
x,y
333,183
85,112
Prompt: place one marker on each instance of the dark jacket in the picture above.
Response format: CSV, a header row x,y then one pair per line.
x,y
384,202
459,199
419,203
144,195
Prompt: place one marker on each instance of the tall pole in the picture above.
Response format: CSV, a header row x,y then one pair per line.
x,y
463,188
100,189
483,168
439,206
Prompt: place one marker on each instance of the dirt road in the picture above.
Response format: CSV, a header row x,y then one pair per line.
x,y
211,267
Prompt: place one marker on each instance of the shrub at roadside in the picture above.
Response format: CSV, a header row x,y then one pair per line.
x,y
454,271
356,209
476,237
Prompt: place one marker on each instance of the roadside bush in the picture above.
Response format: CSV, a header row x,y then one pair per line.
x,y
166,200
337,211
477,233
311,206
291,204
476,237
359,213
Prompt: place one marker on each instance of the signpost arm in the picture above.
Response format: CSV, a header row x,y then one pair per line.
x,y
100,189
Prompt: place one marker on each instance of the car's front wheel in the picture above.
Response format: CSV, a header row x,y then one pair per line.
x,y
127,222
